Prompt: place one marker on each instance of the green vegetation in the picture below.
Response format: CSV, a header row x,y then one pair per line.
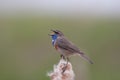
x,y
26,52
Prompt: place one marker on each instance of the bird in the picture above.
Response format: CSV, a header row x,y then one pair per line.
x,y
65,47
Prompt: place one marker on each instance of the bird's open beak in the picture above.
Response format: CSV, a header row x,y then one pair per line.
x,y
53,30
51,33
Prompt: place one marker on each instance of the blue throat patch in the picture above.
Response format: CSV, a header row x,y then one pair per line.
x,y
54,37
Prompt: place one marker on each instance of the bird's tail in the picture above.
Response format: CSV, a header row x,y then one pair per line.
x,y
85,57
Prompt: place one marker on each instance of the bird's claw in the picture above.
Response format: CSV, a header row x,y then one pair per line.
x,y
64,68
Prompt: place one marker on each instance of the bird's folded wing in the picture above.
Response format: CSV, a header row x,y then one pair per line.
x,y
65,44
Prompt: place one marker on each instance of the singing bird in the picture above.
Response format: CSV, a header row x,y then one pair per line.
x,y
65,47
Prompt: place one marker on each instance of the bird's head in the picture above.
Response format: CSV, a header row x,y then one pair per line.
x,y
55,34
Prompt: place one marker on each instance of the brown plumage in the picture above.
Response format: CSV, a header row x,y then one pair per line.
x,y
66,47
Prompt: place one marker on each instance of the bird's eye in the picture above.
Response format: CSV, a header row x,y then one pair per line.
x,y
56,32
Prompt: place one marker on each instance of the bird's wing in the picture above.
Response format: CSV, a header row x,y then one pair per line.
x,y
65,44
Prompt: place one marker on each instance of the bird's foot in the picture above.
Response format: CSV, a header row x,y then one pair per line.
x,y
63,57
64,68
65,65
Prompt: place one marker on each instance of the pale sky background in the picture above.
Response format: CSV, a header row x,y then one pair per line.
x,y
61,7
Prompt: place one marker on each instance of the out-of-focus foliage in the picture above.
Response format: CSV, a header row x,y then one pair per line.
x,y
26,52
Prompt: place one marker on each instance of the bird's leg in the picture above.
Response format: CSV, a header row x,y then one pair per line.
x,y
65,67
68,60
63,57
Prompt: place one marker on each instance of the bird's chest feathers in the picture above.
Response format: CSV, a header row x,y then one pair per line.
x,y
54,37
54,44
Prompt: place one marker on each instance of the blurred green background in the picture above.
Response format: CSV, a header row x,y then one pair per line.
x,y
26,52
